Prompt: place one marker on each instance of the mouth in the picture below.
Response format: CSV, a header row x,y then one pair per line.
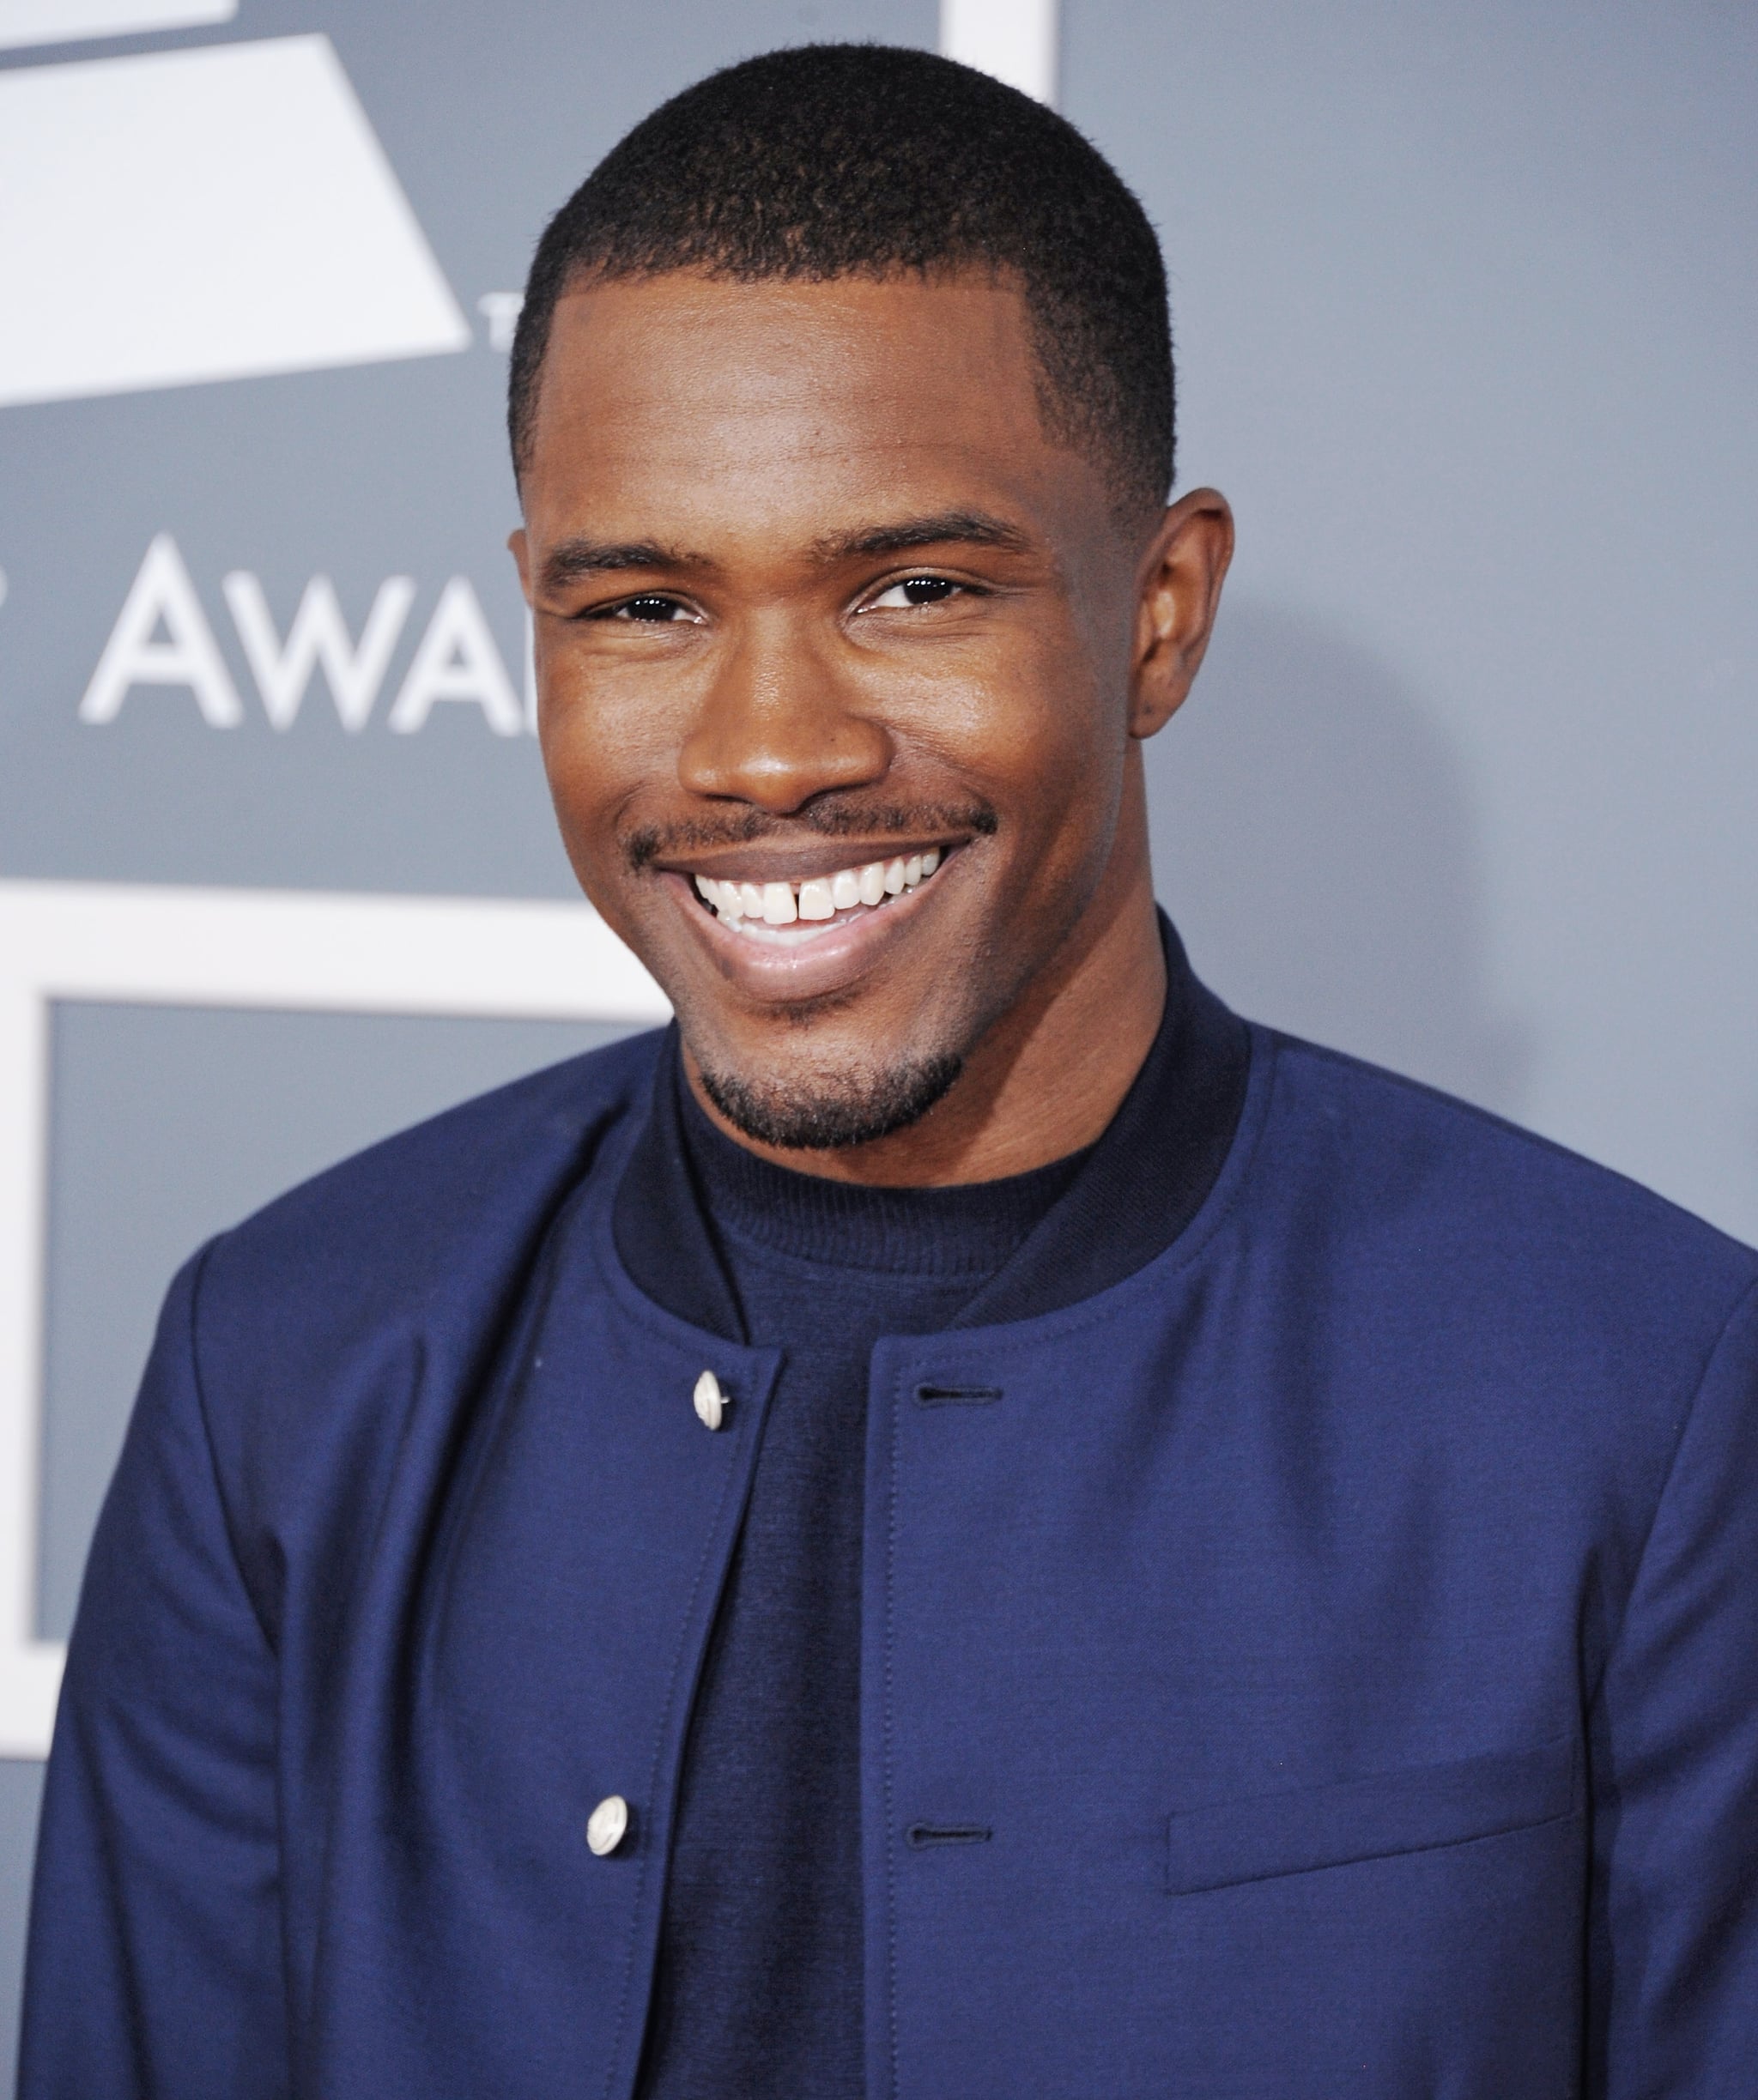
x,y
796,914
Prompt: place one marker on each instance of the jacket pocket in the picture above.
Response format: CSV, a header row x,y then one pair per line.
x,y
1415,1810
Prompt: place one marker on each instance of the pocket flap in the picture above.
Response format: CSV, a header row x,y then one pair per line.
x,y
1415,1810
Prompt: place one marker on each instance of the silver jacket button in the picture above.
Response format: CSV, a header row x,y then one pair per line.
x,y
711,1402
608,1825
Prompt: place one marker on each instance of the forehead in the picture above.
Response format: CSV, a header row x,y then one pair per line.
x,y
769,396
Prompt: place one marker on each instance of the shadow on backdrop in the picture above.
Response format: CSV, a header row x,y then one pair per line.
x,y
1314,838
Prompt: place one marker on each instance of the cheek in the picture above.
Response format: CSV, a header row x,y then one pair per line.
x,y
577,768
1043,740
603,742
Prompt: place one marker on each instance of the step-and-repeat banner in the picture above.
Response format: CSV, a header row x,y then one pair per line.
x,y
1463,307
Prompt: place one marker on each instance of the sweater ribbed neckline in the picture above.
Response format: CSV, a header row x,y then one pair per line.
x,y
966,1230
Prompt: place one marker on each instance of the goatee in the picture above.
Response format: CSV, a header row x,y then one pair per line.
x,y
830,1115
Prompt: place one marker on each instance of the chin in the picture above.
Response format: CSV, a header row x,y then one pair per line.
x,y
830,1111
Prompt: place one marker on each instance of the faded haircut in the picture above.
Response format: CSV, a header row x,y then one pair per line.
x,y
867,161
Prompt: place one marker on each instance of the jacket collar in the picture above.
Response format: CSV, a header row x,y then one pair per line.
x,y
1136,1190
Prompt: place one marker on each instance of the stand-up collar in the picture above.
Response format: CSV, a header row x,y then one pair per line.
x,y
1088,1221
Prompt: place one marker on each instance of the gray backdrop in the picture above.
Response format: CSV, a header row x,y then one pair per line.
x,y
1464,305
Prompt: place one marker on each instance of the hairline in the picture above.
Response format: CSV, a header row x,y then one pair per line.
x,y
1128,502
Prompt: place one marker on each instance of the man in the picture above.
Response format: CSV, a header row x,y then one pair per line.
x,y
963,1523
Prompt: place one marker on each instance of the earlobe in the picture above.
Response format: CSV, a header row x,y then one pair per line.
x,y
1155,701
1147,718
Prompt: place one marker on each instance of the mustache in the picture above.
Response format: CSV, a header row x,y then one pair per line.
x,y
845,818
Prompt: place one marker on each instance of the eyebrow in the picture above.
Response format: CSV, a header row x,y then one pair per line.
x,y
571,560
968,527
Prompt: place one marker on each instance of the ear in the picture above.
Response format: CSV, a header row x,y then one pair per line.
x,y
1180,591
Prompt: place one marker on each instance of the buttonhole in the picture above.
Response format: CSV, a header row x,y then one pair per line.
x,y
921,1835
957,1395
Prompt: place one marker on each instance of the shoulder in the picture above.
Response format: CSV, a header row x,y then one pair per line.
x,y
455,1196
1469,1217
346,1329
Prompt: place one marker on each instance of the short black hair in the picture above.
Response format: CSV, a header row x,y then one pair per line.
x,y
831,160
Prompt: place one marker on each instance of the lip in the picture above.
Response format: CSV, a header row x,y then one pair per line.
x,y
831,962
780,863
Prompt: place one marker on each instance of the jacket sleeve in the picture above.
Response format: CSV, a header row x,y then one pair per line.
x,y
1673,1922
154,1962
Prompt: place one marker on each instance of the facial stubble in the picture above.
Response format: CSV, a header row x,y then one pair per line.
x,y
826,1112
833,1112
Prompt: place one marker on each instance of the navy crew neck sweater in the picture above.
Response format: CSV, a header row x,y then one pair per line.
x,y
758,1991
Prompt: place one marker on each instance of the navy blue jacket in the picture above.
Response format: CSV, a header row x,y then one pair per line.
x,y
1324,1663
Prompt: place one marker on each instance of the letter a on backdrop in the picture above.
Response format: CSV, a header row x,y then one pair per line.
x,y
162,594
458,661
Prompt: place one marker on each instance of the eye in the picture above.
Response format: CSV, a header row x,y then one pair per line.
x,y
914,592
649,609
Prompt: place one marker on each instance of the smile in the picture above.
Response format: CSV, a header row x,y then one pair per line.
x,y
794,914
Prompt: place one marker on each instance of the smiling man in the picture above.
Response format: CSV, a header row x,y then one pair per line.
x,y
961,1523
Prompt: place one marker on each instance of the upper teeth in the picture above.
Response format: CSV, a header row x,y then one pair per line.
x,y
820,897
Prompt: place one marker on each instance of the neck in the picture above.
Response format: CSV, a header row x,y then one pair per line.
x,y
1047,1077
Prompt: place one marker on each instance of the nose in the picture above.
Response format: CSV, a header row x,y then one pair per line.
x,y
780,725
